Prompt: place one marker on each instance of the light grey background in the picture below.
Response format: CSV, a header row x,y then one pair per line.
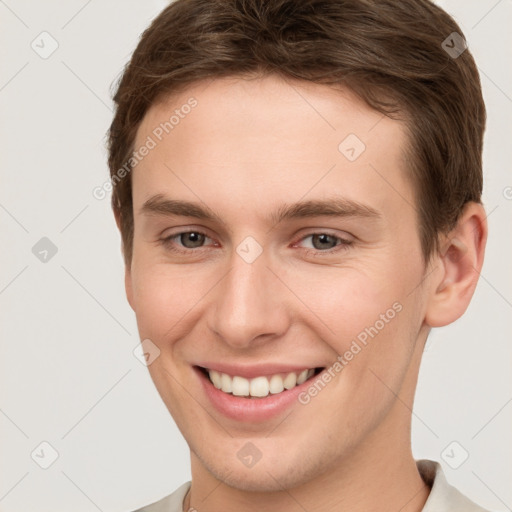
x,y
68,375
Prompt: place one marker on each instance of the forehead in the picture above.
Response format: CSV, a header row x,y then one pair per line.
x,y
267,106
265,137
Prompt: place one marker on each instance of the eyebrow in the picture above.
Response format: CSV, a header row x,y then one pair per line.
x,y
332,207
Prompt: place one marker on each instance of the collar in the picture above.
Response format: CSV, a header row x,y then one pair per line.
x,y
443,497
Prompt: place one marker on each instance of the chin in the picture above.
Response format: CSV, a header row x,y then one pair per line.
x,y
260,480
271,475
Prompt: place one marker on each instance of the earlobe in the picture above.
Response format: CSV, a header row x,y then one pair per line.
x,y
461,258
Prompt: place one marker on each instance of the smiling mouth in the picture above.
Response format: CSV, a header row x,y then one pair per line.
x,y
258,387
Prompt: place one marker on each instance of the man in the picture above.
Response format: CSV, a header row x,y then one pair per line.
x,y
297,185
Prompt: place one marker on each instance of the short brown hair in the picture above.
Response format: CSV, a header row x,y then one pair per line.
x,y
391,54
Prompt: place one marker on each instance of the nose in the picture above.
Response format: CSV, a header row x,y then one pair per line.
x,y
249,305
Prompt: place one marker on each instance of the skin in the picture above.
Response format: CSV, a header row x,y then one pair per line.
x,y
248,148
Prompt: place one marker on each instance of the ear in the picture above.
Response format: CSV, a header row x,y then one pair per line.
x,y
127,269
461,257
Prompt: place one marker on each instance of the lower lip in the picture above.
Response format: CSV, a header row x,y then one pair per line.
x,y
251,410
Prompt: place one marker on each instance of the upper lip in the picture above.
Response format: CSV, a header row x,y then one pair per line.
x,y
256,370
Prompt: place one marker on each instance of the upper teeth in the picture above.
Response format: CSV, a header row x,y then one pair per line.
x,y
259,386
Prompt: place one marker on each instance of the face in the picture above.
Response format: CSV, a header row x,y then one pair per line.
x,y
275,238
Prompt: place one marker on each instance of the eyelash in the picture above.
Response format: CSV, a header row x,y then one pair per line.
x,y
343,244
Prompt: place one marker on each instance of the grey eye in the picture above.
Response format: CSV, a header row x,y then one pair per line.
x,y
324,241
192,239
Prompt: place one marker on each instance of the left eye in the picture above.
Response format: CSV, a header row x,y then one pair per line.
x,y
323,241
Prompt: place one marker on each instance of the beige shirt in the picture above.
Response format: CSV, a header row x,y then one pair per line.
x,y
442,498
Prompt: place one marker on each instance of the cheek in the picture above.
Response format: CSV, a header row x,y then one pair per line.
x,y
344,300
368,317
165,301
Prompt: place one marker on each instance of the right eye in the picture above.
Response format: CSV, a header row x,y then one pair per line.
x,y
185,241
